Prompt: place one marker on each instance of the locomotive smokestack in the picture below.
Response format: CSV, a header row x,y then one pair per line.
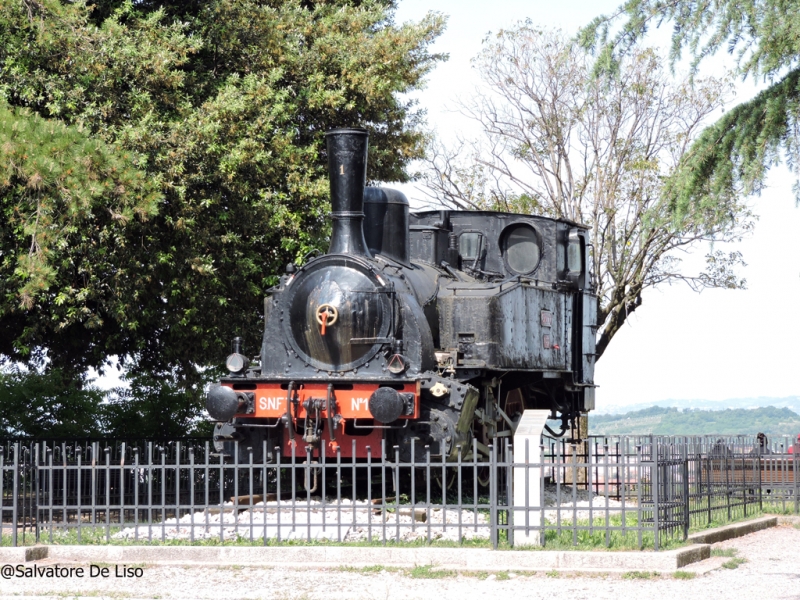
x,y
347,168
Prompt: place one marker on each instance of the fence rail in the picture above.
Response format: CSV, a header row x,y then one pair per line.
x,y
626,491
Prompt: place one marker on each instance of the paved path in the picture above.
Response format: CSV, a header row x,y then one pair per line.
x,y
772,571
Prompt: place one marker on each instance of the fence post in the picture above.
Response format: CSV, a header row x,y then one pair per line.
x,y
492,495
527,484
2,489
709,486
14,497
685,495
655,484
508,467
759,465
35,495
727,480
744,483
795,470
25,479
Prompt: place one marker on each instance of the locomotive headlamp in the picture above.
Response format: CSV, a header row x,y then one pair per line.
x,y
397,362
237,362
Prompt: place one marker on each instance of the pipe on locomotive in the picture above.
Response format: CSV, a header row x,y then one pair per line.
x,y
347,168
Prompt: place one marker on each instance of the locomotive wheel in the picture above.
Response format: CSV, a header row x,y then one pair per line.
x,y
450,477
484,476
424,487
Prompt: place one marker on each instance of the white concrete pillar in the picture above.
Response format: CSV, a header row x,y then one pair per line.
x,y
528,479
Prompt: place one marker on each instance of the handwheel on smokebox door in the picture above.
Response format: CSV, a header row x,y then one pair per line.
x,y
326,316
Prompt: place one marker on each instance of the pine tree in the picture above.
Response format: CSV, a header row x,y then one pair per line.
x,y
63,196
734,154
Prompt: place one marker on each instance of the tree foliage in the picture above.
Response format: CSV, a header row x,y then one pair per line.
x,y
151,406
206,120
47,405
734,154
52,404
558,142
64,198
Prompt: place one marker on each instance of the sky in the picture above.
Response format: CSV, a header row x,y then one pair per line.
x,y
714,345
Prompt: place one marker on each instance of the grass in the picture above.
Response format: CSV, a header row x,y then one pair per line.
x,y
586,537
502,576
720,521
684,575
589,536
483,575
731,553
5,537
734,563
88,593
97,536
426,572
592,536
430,572
779,508
640,575
370,570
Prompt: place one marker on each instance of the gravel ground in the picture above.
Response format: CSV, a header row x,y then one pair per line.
x,y
316,521
348,521
771,570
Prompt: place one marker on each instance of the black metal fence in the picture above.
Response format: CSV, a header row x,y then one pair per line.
x,y
626,492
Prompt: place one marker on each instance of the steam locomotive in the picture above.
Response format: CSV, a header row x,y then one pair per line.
x,y
415,329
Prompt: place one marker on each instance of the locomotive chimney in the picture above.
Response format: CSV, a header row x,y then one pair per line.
x,y
347,168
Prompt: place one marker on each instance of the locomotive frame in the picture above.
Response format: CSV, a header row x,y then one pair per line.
x,y
420,329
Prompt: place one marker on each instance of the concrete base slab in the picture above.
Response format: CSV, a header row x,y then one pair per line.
x,y
788,519
22,554
727,532
332,556
705,566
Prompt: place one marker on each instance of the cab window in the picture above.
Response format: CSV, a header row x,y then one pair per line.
x,y
521,248
469,244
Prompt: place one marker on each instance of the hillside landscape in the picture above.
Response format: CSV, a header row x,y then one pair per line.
x,y
790,402
685,421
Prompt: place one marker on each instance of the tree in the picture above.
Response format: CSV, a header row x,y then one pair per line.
x,y
559,143
47,404
61,193
222,105
52,404
732,156
152,407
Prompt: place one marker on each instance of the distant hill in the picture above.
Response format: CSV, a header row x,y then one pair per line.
x,y
790,402
675,421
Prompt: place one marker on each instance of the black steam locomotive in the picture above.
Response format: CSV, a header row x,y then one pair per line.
x,y
438,327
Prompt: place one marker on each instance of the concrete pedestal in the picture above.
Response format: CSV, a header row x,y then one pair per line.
x,y
528,479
